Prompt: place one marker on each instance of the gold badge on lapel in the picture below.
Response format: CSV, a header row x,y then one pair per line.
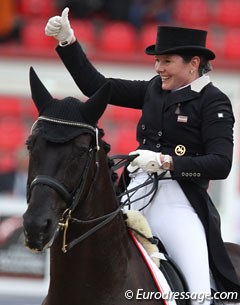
x,y
180,150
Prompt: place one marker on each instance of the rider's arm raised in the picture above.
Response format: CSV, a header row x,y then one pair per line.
x,y
125,93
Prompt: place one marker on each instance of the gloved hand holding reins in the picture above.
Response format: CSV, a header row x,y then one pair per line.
x,y
59,27
147,160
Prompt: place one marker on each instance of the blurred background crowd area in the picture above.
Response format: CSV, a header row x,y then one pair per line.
x,y
109,31
119,29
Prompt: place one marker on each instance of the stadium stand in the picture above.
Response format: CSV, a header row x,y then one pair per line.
x,y
118,37
108,40
35,8
227,13
192,13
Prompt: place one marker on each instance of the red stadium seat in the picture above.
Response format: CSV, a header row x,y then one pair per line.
x,y
33,35
30,110
12,134
214,42
231,44
125,140
7,162
124,115
10,106
148,35
33,8
192,13
85,33
118,37
228,13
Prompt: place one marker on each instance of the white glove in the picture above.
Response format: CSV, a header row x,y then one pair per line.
x,y
147,160
59,28
132,168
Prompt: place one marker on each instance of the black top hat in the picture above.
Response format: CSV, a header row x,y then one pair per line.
x,y
176,40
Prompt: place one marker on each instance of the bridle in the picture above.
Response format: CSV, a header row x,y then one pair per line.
x,y
70,197
73,198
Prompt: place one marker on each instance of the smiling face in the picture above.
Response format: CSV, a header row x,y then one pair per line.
x,y
175,72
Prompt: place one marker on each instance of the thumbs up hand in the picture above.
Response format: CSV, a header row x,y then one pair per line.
x,y
59,27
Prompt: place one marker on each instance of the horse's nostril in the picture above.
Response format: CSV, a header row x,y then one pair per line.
x,y
38,232
43,226
47,225
34,227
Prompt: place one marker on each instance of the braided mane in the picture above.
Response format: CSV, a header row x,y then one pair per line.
x,y
107,149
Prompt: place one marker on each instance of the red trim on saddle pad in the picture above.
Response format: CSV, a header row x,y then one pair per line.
x,y
153,270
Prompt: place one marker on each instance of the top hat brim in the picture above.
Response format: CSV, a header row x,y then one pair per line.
x,y
208,54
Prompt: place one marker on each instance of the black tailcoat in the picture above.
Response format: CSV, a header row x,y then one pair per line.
x,y
195,128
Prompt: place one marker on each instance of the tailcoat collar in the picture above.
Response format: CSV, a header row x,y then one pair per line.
x,y
198,84
189,92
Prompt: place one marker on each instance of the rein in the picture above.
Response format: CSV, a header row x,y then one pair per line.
x,y
105,219
153,179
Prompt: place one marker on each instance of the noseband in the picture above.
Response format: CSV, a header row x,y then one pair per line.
x,y
52,183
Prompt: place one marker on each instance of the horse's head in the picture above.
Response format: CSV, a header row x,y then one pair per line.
x,y
61,146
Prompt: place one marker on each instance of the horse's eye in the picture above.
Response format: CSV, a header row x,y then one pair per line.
x,y
30,142
29,145
82,150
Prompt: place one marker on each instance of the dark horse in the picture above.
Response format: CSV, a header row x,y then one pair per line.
x,y
73,208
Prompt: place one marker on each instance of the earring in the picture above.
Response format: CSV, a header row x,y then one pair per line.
x,y
191,71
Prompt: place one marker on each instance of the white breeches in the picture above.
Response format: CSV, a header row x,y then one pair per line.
x,y
174,221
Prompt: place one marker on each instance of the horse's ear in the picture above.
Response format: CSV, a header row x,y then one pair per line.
x,y
40,94
97,103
